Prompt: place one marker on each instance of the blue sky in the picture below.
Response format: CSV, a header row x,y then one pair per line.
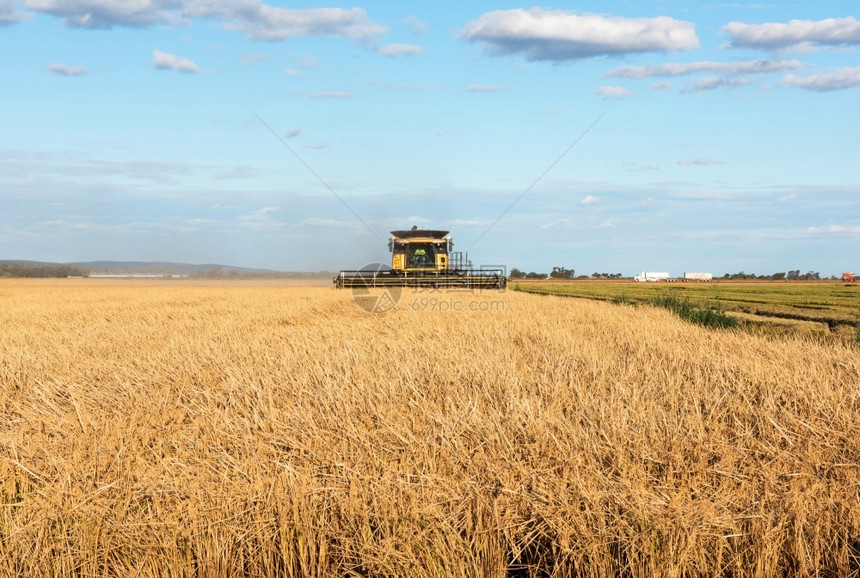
x,y
708,136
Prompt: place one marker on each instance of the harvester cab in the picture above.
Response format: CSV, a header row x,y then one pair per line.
x,y
419,250
423,258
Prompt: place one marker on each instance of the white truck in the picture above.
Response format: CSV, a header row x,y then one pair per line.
x,y
704,277
651,276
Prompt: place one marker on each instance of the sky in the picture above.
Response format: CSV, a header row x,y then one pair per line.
x,y
657,135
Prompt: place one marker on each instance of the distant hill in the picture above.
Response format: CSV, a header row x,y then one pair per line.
x,y
23,268
162,266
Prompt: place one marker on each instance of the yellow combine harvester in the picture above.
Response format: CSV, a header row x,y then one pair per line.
x,y
423,258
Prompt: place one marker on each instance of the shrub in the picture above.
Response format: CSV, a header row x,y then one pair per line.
x,y
711,316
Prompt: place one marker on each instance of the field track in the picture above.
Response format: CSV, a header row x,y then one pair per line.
x,y
232,429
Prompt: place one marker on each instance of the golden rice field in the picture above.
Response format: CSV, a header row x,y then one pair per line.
x,y
182,429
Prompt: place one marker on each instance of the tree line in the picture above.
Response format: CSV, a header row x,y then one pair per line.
x,y
40,270
793,275
565,273
560,273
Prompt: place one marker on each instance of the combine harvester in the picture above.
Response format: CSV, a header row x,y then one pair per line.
x,y
423,258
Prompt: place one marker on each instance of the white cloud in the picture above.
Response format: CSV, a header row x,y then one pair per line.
x,y
589,200
714,82
685,68
793,34
260,219
254,57
66,70
835,229
109,13
401,86
317,222
559,35
293,132
334,94
308,61
317,145
166,61
839,80
254,18
260,21
786,198
399,50
564,223
699,162
415,24
237,172
613,92
484,88
456,223
9,14
292,72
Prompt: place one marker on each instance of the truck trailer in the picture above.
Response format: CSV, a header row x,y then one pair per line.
x,y
703,277
651,276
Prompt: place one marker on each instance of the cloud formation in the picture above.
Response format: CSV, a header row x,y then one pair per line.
x,y
835,229
253,18
714,82
66,70
685,68
794,33
839,80
331,94
255,57
166,61
8,13
108,13
259,21
559,35
589,200
318,222
613,92
415,24
483,88
699,162
260,220
399,50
